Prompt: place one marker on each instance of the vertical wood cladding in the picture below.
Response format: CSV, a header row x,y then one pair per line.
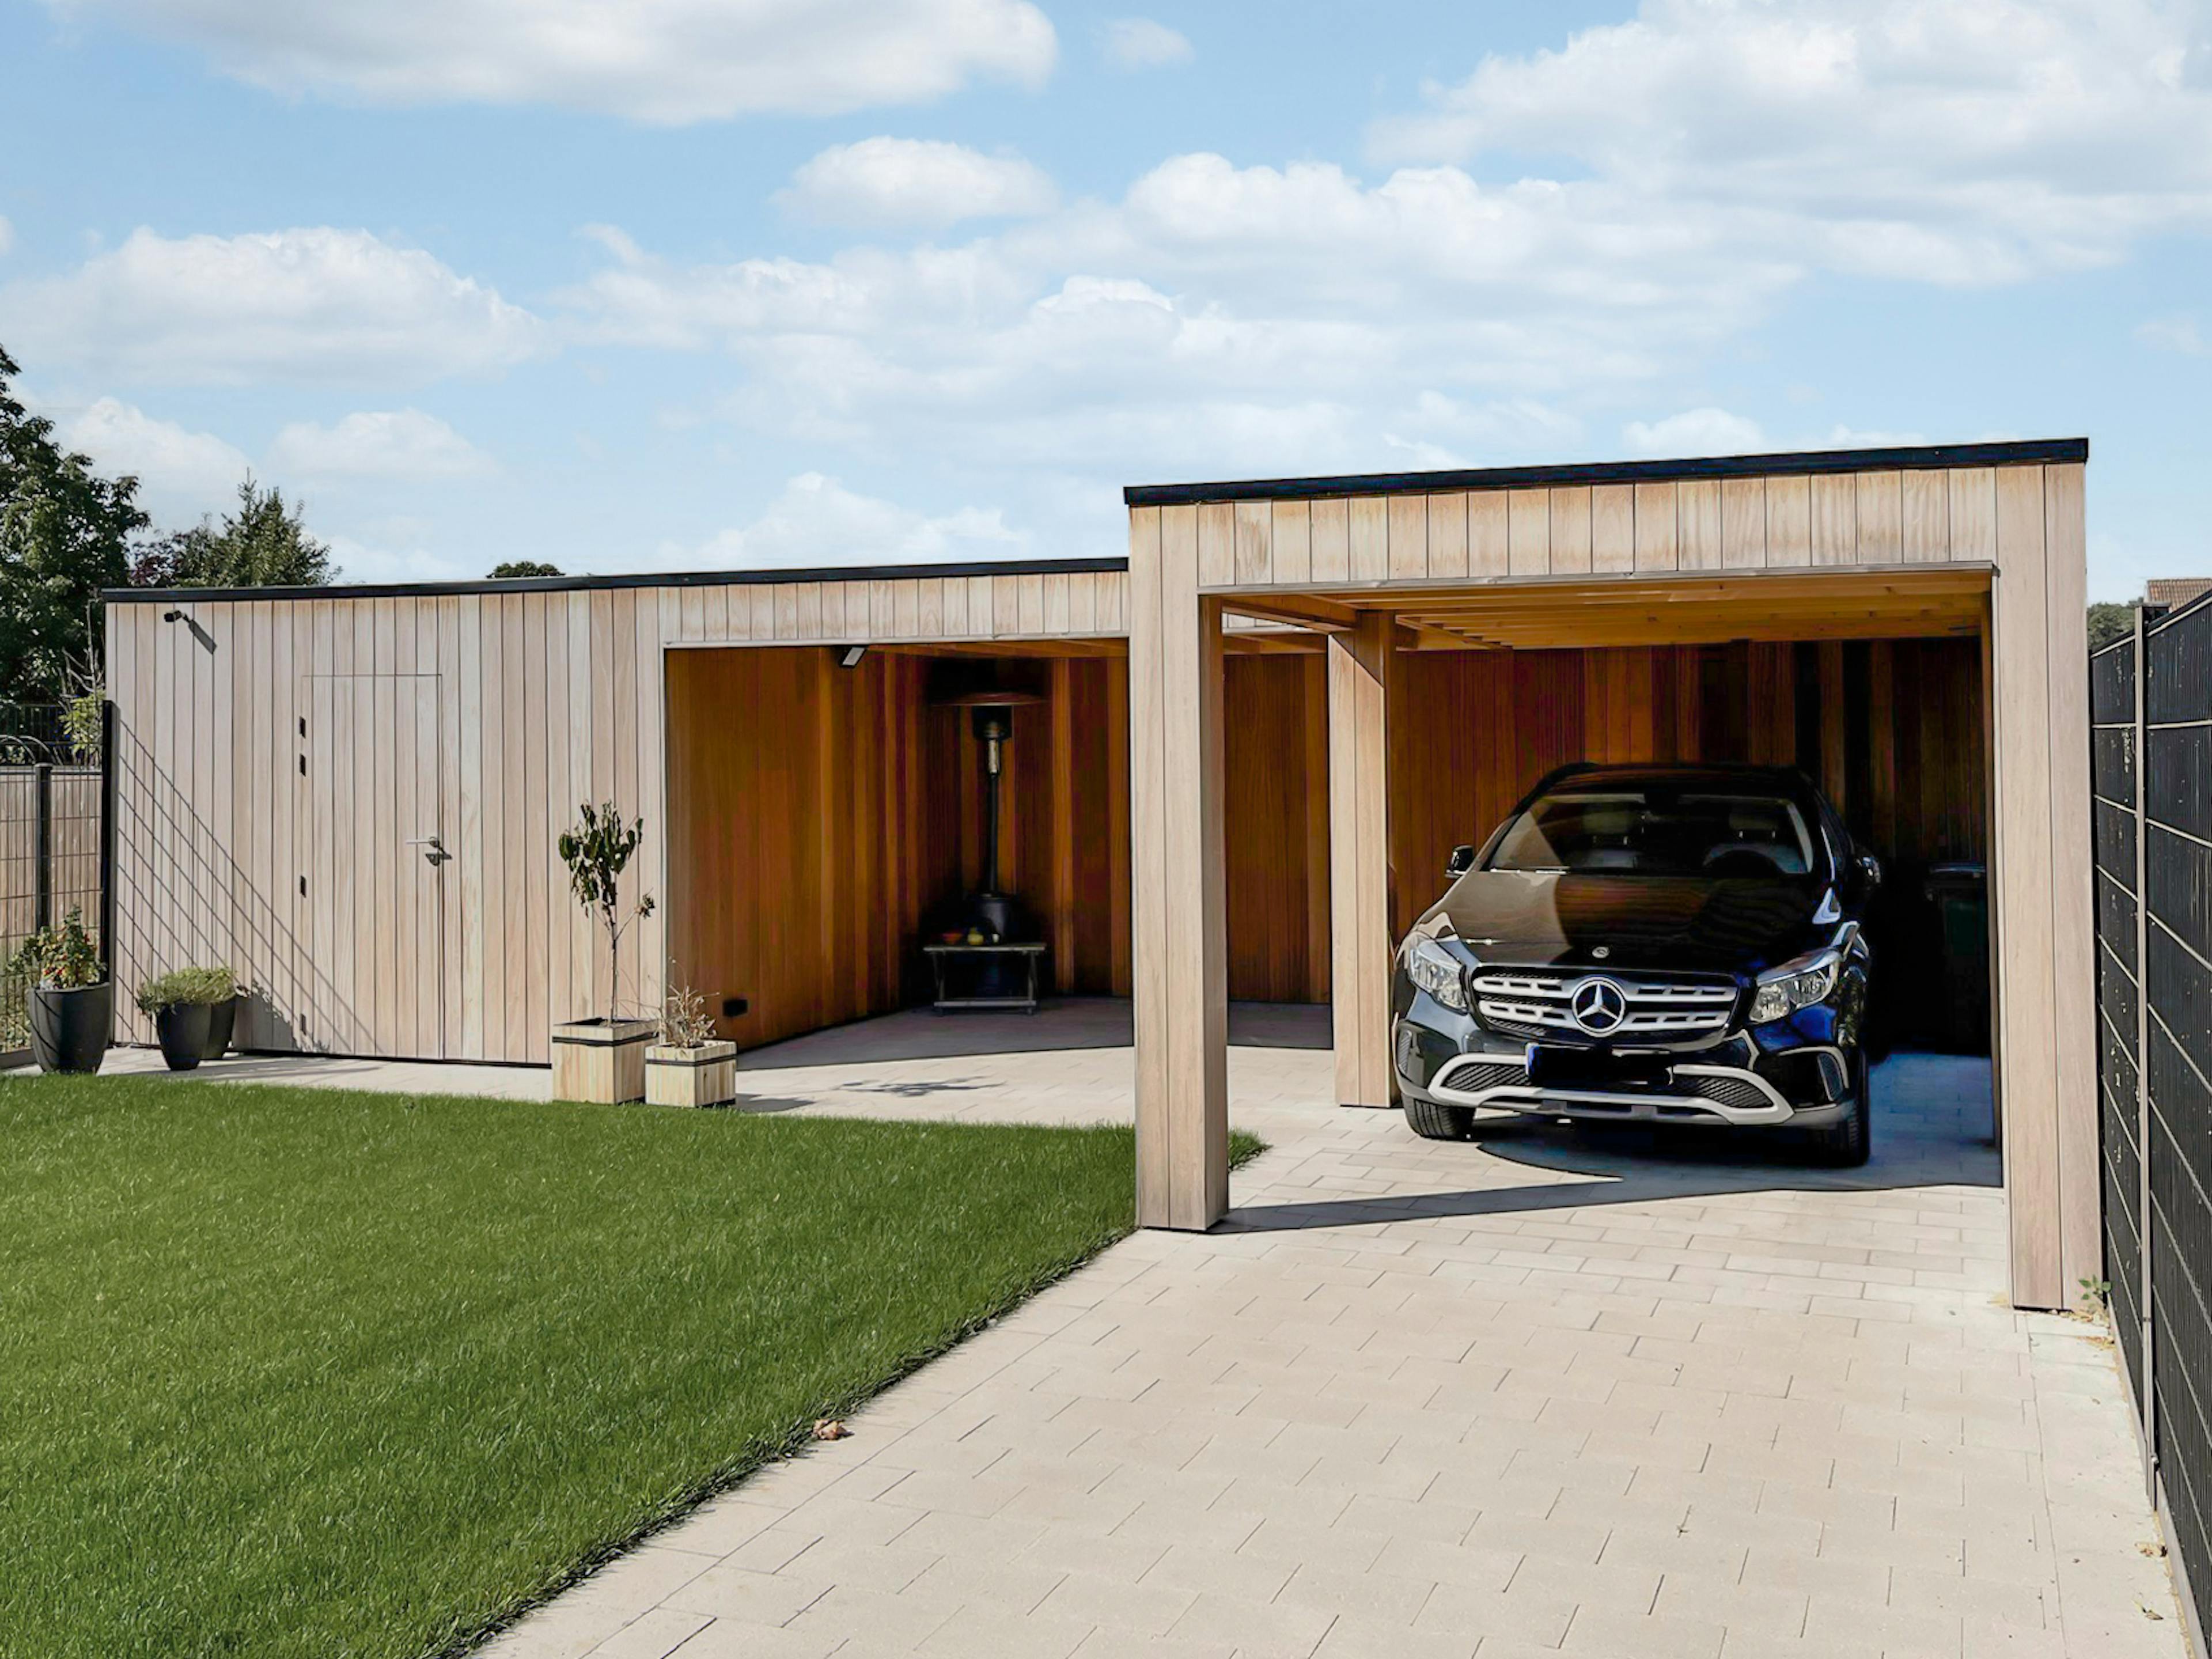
x,y
1883,518
847,779
812,843
1893,731
482,718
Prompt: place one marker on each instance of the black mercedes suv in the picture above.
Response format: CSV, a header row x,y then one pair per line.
x,y
1669,944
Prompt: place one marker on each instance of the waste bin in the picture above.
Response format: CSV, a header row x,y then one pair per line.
x,y
1961,894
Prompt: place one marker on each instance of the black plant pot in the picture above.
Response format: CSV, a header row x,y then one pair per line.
x,y
183,1030
222,1020
71,1029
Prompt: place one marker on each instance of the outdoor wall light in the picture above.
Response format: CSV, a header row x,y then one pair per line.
x,y
201,637
851,655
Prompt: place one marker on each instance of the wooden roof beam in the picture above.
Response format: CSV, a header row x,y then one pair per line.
x,y
1310,611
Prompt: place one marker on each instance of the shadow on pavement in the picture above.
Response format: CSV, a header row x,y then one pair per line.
x,y
1932,1128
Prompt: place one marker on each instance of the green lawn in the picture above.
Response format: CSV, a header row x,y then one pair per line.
x,y
293,1371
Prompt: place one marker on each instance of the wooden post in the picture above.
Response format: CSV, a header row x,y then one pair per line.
x,y
2041,902
1176,858
1359,858
2073,896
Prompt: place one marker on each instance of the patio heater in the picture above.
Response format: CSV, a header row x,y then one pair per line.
x,y
1000,917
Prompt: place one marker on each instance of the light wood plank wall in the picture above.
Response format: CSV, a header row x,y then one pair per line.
x,y
546,698
2040,899
1886,518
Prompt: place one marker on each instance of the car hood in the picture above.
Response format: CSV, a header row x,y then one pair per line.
x,y
1642,921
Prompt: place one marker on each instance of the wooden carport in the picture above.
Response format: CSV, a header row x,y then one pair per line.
x,y
1981,541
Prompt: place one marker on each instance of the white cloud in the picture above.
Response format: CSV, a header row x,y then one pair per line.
x,y
817,522
663,61
1571,230
316,304
916,182
396,444
2177,333
1840,436
358,561
1706,431
1918,139
1138,43
1713,431
7,235
181,473
1216,316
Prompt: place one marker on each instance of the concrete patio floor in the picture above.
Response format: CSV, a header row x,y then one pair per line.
x,y
1603,1394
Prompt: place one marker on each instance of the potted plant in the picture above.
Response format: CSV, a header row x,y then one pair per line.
x,y
182,1006
602,1058
222,985
70,999
690,1066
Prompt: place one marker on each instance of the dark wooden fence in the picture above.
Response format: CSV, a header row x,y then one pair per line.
x,y
2151,777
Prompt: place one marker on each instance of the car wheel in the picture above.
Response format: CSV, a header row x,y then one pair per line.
x,y
1432,1122
1847,1144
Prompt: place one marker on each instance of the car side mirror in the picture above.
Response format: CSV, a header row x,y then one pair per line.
x,y
1461,861
1869,872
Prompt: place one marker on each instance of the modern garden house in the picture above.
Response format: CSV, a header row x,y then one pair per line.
x,y
1230,766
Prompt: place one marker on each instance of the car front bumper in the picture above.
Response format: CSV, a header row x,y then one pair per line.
x,y
1451,1059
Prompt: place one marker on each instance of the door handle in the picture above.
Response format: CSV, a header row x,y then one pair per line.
x,y
437,854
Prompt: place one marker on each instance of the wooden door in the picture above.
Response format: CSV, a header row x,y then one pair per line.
x,y
374,869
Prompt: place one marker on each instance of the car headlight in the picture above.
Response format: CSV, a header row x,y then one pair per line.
x,y
1438,972
1795,984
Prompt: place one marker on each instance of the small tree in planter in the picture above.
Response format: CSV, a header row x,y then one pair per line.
x,y
70,1000
602,1058
691,1065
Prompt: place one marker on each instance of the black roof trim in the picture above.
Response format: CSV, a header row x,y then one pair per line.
x,y
856,572
1914,457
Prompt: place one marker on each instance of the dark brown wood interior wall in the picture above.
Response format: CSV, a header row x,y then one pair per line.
x,y
1275,766
1892,730
820,818
795,877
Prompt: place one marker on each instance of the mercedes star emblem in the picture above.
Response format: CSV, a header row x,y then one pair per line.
x,y
1599,1007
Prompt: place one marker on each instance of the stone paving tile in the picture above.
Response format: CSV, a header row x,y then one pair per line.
x,y
1547,1392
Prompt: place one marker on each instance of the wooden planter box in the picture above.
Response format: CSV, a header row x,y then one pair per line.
x,y
705,1076
601,1060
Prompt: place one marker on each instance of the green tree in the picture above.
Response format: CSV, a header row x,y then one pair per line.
x,y
513,567
65,534
263,543
2108,621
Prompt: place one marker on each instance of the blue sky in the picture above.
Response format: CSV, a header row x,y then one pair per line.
x,y
718,282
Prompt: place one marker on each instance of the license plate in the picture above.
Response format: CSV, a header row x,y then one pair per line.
x,y
1551,1067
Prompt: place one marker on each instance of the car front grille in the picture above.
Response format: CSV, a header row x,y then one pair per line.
x,y
1537,1003
1471,1077
1740,1092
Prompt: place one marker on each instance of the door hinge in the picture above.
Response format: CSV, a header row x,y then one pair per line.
x,y
303,887
303,766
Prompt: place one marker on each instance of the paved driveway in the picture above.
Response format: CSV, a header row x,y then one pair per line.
x,y
1552,1392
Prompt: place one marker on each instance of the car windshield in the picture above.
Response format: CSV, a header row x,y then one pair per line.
x,y
1658,830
